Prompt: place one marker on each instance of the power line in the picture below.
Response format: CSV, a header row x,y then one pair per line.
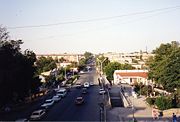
x,y
92,20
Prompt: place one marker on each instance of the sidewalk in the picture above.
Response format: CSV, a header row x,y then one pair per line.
x,y
142,112
141,109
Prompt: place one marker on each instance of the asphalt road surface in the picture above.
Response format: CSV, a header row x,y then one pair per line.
x,y
67,110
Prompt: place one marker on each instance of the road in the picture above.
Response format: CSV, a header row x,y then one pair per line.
x,y
66,110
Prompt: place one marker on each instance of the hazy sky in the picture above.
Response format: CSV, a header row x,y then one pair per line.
x,y
91,29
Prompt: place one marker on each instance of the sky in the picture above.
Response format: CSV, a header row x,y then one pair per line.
x,y
97,26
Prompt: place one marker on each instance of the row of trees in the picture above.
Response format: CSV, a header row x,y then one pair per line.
x,y
110,67
18,77
48,64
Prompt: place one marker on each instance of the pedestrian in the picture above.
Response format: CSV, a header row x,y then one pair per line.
x,y
174,118
154,113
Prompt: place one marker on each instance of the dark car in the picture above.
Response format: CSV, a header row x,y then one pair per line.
x,y
79,100
84,90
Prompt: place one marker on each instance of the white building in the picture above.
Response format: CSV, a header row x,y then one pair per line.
x,y
131,76
68,57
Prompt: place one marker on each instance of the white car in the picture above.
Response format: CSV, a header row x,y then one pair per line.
x,y
37,115
56,98
62,92
102,91
48,103
91,83
86,84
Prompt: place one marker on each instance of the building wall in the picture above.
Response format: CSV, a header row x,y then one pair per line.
x,y
68,57
131,79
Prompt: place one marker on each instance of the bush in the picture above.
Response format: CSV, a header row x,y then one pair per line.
x,y
163,103
150,101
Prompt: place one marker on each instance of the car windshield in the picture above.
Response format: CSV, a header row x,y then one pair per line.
x,y
35,113
48,101
79,98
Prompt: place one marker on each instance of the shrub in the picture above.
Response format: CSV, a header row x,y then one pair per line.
x,y
150,101
163,103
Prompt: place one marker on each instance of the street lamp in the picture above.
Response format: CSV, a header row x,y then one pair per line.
x,y
133,113
101,62
65,72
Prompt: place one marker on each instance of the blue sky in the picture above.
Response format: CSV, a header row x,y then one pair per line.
x,y
120,34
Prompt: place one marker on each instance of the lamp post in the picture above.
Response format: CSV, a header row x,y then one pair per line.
x,y
133,112
101,64
65,72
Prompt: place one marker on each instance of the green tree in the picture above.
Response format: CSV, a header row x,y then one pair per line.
x,y
171,72
61,60
88,55
163,102
17,70
164,68
45,64
110,68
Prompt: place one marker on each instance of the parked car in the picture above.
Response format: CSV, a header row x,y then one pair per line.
x,y
62,92
48,103
79,100
56,98
37,115
102,91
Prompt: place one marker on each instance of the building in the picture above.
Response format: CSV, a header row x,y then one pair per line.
x,y
129,58
67,57
131,76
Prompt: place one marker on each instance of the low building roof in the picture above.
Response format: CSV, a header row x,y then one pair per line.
x,y
132,73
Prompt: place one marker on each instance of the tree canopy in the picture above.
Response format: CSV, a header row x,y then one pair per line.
x,y
164,68
17,70
45,64
112,66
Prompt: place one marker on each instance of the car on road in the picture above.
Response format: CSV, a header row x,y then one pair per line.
x,y
62,92
81,72
84,90
91,84
37,115
48,103
78,85
79,100
102,91
56,98
86,84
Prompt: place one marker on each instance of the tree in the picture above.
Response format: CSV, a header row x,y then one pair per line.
x,y
163,102
45,64
61,60
164,68
17,70
171,72
88,55
112,66
4,35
